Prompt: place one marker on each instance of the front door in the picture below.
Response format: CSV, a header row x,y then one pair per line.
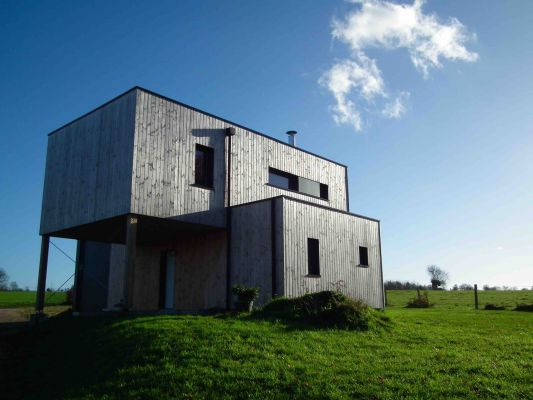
x,y
168,269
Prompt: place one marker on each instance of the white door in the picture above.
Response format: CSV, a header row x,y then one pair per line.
x,y
169,286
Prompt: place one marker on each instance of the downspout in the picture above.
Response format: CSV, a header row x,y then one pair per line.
x,y
230,132
381,267
347,189
273,247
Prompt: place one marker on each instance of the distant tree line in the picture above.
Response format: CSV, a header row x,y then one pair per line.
x,y
438,279
12,286
399,285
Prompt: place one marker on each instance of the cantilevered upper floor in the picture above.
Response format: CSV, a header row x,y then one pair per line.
x,y
142,153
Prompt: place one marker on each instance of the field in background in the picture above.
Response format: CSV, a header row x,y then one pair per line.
x,y
449,351
462,299
27,299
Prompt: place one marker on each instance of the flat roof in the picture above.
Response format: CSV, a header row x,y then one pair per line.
x,y
197,110
309,203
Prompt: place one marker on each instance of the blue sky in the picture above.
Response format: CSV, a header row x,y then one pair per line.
x,y
450,177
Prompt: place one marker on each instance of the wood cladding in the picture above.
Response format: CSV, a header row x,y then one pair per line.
x,y
164,156
88,167
339,236
136,155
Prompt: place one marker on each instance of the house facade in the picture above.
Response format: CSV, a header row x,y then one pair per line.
x,y
171,206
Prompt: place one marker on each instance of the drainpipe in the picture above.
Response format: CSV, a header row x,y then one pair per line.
x,y
230,132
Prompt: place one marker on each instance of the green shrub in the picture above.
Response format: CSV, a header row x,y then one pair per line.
x,y
245,294
524,307
494,307
327,309
245,297
420,301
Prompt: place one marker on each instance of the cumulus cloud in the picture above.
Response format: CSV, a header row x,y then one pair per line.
x,y
348,76
381,24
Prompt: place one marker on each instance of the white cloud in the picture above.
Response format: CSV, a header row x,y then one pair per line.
x,y
345,77
384,25
396,108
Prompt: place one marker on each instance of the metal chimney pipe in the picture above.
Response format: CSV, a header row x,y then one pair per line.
x,y
292,139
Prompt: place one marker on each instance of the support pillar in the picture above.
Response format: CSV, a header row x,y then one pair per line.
x,y
43,266
78,276
129,270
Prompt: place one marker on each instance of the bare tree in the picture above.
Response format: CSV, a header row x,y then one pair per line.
x,y
438,276
13,286
4,279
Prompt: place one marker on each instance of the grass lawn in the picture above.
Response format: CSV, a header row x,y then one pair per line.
x,y
427,353
463,300
27,299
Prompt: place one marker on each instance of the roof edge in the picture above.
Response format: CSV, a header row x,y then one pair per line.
x,y
197,110
282,196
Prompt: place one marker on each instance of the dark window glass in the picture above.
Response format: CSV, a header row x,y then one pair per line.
x,y
363,256
203,166
282,179
324,193
313,257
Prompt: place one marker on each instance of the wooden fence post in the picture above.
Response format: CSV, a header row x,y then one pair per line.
x,y
475,296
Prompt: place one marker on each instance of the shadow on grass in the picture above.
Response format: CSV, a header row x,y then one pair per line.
x,y
59,357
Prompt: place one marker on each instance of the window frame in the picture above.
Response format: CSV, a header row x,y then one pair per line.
x,y
294,184
313,258
360,253
208,179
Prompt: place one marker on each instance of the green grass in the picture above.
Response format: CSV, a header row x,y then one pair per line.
x,y
461,299
427,353
27,299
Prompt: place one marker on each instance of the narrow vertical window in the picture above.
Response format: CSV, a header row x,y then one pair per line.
x,y
363,256
324,191
203,166
313,257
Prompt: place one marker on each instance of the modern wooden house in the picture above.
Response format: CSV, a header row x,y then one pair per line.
x,y
171,206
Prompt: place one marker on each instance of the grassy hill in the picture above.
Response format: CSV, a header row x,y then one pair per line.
x,y
438,353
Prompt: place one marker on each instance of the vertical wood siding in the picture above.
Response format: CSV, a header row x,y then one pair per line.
x,y
163,162
200,278
201,272
340,236
251,254
117,263
88,167
146,279
136,155
251,247
164,149
254,154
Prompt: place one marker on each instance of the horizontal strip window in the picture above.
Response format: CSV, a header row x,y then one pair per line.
x,y
287,181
